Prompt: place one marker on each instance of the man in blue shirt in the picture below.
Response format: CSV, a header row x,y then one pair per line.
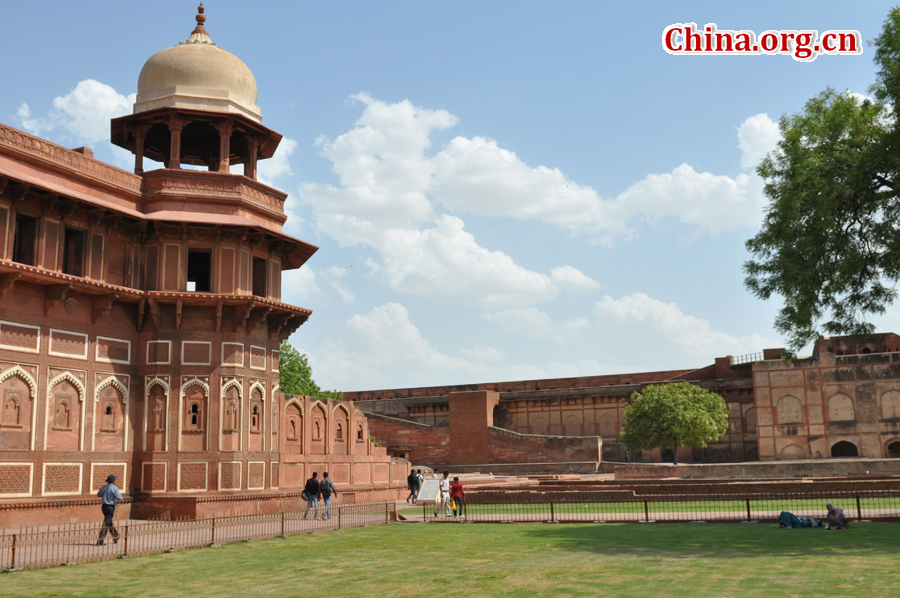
x,y
109,494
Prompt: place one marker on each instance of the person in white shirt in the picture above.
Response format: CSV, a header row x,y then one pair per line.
x,y
421,478
445,495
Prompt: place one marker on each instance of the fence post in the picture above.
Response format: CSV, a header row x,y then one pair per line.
x,y
646,511
552,512
748,510
213,539
125,539
282,522
12,564
340,510
858,509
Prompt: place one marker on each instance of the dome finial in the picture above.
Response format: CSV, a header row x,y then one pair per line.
x,y
199,35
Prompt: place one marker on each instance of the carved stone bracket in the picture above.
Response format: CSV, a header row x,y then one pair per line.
x,y
259,316
154,312
291,326
179,304
102,305
54,293
277,323
243,315
142,304
6,282
219,316
18,193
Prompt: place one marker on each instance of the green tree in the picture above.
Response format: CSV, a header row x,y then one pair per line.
x,y
673,415
295,375
829,243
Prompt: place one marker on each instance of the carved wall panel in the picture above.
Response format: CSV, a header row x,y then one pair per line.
x,y
231,416
293,428
196,353
159,352
192,477
64,413
256,415
257,358
273,475
17,402
233,354
100,471
154,477
256,475
318,429
15,479
62,478
20,337
111,350
110,415
229,475
157,409
64,343
194,415
341,431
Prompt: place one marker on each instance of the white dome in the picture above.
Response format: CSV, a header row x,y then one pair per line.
x,y
198,75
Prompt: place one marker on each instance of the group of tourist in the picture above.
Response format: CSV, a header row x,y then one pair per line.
x,y
452,496
316,490
414,480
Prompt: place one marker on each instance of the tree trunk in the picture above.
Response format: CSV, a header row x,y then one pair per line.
x,y
675,454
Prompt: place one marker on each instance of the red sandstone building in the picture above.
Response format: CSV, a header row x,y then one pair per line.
x,y
843,401
141,313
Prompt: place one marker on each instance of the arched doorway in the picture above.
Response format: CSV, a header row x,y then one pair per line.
x,y
893,450
844,449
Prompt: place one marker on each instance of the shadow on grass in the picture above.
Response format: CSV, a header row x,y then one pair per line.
x,y
691,540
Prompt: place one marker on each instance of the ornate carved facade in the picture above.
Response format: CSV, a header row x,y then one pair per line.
x,y
141,313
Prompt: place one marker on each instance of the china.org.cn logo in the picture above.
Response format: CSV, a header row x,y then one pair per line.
x,y
803,46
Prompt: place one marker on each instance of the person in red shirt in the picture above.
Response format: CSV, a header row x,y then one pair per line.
x,y
458,496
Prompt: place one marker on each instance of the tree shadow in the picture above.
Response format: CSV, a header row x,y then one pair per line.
x,y
725,540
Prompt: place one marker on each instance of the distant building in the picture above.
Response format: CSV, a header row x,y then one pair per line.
x,y
844,401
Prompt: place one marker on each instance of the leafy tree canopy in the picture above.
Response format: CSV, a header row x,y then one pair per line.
x,y
673,415
295,375
829,243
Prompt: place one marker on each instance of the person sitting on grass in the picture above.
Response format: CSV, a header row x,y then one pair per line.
x,y
836,519
789,520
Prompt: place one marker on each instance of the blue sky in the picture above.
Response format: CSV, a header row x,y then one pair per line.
x,y
500,190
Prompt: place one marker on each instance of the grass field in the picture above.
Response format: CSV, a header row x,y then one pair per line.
x,y
690,560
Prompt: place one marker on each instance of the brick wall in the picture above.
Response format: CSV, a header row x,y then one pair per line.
x,y
426,445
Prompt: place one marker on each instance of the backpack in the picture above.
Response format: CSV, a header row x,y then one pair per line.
x,y
412,480
325,488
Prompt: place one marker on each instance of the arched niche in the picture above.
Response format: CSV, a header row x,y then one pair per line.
x,y
17,409
293,427
792,452
318,428
844,448
110,415
256,416
750,421
841,409
65,413
194,415
340,426
232,400
606,425
789,410
539,426
890,405
572,426
892,448
157,415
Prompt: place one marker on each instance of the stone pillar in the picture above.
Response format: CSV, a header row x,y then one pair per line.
x,y
470,415
250,163
175,127
140,135
225,129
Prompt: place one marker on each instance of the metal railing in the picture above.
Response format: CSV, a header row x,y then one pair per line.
x,y
77,543
873,505
748,358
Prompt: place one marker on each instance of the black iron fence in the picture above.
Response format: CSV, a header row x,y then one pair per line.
x,y
881,505
78,543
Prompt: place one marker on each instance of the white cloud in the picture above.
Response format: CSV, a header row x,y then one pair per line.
x,y
657,322
757,136
538,325
483,353
299,284
278,165
84,113
572,279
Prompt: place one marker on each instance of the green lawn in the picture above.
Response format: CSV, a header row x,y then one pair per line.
x,y
433,559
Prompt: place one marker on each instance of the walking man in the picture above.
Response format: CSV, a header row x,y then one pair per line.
x,y
326,488
109,494
312,495
445,495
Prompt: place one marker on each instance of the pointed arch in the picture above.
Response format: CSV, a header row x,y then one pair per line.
x,y
68,377
237,384
156,382
18,371
275,389
200,417
346,411
193,382
111,381
262,390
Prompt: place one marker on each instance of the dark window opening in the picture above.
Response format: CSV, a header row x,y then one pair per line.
x,y
866,351
73,251
893,450
844,449
199,270
26,234
109,411
259,276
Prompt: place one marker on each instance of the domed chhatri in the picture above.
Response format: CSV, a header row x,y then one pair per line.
x,y
197,74
196,104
